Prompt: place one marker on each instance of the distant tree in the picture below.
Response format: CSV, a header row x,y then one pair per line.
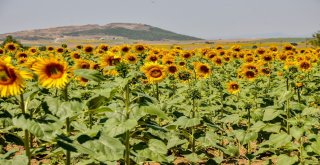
x,y
10,39
316,39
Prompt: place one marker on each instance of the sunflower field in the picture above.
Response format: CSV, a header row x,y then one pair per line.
x,y
137,104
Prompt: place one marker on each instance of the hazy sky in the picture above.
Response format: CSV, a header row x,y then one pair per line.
x,y
210,19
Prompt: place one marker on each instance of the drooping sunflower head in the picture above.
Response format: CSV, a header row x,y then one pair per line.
x,y
52,73
202,70
184,75
265,71
11,47
82,81
131,58
88,49
154,72
233,87
12,80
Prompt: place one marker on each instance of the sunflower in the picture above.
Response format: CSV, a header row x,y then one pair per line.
x,y
184,75
131,58
88,49
202,70
172,69
82,81
79,47
236,48
211,54
11,47
82,64
60,50
288,47
50,48
233,87
12,80
30,62
267,57
154,72
103,47
249,74
152,58
94,65
282,56
181,63
273,48
33,50
125,49
22,60
249,59
186,55
139,48
219,47
52,72
304,65
217,60
1,51
260,51
109,59
265,71
21,55
75,55
168,59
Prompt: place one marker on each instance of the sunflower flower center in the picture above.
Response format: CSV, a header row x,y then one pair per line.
x,y
155,72
54,71
7,75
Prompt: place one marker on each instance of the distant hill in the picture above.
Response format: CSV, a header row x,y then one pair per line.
x,y
110,31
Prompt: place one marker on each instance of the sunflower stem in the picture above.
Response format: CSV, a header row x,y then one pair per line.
x,y
26,132
127,136
68,153
193,140
287,108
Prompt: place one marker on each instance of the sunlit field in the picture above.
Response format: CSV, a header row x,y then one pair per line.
x,y
192,103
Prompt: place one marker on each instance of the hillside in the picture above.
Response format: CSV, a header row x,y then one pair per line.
x,y
114,30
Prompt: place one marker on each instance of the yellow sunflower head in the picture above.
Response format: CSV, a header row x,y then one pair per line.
x,y
60,50
172,69
202,70
33,50
11,47
82,64
52,73
217,60
1,51
131,58
304,65
88,49
154,72
50,48
12,80
233,87
21,55
125,49
75,55
139,48
152,57
109,59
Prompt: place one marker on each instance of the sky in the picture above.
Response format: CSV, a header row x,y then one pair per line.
x,y
208,19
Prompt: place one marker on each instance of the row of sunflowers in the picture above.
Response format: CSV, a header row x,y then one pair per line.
x,y
136,104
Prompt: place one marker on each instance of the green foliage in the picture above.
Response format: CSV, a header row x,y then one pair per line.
x,y
316,39
9,39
